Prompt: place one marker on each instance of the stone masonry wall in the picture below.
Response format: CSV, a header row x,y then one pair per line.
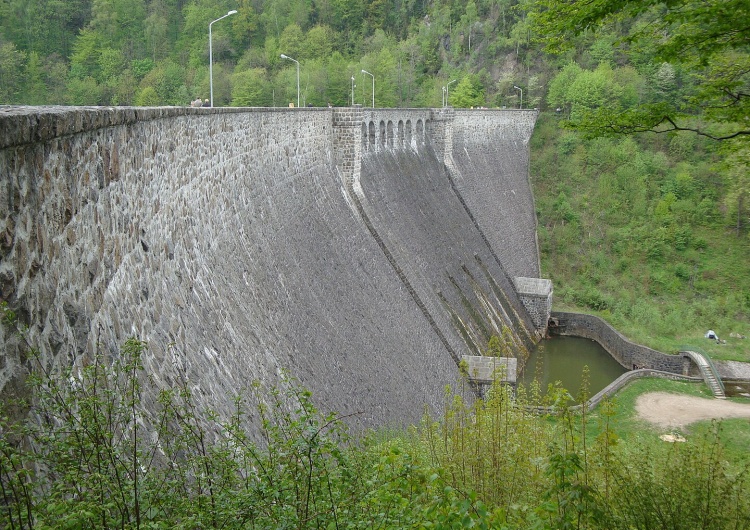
x,y
434,242
631,356
536,295
491,155
225,238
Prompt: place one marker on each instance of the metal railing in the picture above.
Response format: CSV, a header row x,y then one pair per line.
x,y
707,357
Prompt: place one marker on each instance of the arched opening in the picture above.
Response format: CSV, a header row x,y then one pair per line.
x,y
400,134
382,134
371,136
389,134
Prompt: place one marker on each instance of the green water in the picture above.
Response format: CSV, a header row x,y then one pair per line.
x,y
563,358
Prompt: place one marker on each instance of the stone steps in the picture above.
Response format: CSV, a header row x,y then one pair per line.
x,y
709,374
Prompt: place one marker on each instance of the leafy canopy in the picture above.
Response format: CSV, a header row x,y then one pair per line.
x,y
707,39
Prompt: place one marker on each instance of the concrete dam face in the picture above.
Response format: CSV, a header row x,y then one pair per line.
x,y
363,251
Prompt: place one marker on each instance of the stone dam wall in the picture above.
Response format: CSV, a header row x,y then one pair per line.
x,y
362,251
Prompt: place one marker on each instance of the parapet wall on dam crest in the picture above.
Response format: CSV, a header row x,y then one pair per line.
x,y
234,242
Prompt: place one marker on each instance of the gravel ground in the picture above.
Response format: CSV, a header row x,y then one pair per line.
x,y
677,410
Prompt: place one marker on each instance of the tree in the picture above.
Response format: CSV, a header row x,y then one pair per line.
x,y
338,89
469,92
11,66
122,21
708,38
557,96
318,42
468,19
84,91
155,32
166,79
250,89
36,88
592,90
147,97
292,41
737,200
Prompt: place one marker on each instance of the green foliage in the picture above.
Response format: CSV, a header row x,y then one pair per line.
x,y
249,89
649,237
501,346
147,97
408,46
96,458
701,39
90,455
11,62
468,93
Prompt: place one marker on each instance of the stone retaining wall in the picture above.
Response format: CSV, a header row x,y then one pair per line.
x,y
631,356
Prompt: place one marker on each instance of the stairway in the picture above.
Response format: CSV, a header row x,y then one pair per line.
x,y
708,371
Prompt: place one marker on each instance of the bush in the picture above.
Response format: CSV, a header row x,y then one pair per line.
x,y
89,456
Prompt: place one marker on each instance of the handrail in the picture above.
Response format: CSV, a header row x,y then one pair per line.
x,y
707,357
616,385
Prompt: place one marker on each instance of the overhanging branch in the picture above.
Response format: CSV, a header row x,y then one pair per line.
x,y
699,132
620,128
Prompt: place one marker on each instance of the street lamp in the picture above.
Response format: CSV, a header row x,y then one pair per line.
x,y
443,96
287,57
521,90
211,55
447,102
373,86
353,85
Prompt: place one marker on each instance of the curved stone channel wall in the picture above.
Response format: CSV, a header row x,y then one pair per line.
x,y
630,355
231,240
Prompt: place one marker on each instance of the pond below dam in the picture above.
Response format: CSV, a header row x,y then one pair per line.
x,y
563,358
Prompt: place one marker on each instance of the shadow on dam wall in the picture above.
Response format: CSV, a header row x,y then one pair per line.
x,y
240,243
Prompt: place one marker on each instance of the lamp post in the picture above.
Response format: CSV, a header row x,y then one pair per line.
x,y
211,55
447,101
443,96
287,57
353,85
373,86
520,90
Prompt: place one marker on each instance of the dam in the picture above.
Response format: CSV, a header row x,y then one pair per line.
x,y
363,251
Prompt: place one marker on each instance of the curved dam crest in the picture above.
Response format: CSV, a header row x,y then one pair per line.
x,y
364,251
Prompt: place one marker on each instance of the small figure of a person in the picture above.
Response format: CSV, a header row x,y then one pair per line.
x,y
206,103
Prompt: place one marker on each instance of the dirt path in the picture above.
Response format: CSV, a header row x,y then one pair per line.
x,y
677,410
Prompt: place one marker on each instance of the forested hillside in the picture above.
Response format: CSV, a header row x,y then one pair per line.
x,y
149,52
650,230
643,209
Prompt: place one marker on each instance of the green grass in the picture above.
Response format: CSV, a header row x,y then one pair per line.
x,y
734,434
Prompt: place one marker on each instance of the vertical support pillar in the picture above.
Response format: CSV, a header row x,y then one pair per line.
x,y
536,297
347,144
441,133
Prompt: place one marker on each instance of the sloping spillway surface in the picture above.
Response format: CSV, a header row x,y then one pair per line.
x,y
410,201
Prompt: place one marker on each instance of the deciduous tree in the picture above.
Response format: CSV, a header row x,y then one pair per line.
x,y
710,39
